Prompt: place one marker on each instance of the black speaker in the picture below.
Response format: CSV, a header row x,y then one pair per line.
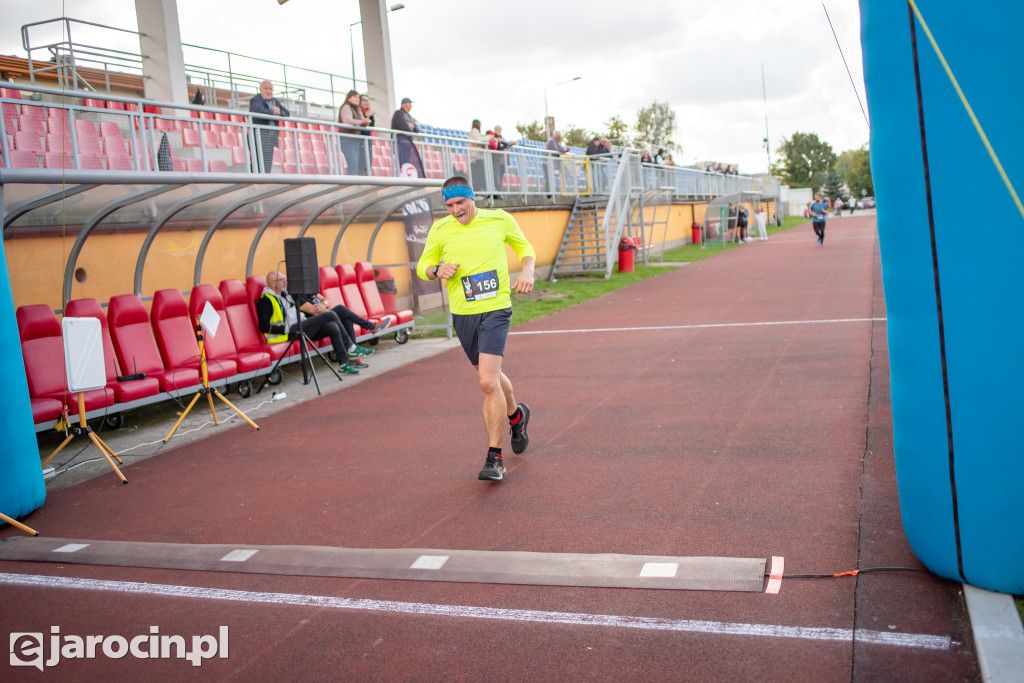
x,y
300,260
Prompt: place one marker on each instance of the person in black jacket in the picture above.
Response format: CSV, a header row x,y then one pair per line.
x,y
266,103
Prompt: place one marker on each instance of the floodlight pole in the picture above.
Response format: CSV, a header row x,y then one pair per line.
x,y
550,131
352,45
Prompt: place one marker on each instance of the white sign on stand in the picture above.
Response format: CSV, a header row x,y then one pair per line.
x,y
210,319
83,354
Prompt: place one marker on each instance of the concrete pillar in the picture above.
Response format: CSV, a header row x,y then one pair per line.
x,y
163,62
377,57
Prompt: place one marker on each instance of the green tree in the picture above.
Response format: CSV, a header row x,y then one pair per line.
x,y
655,126
531,131
617,129
804,160
833,184
855,164
575,137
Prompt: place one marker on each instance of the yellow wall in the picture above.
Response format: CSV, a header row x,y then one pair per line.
x,y
36,264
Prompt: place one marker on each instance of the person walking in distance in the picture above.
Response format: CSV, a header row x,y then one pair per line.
x,y
466,250
819,211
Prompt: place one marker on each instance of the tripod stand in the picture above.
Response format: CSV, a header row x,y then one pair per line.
x,y
303,340
206,390
84,428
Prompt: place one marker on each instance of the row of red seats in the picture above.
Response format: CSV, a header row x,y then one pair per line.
x,y
162,343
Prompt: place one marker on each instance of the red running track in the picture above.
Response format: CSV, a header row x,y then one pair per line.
x,y
743,413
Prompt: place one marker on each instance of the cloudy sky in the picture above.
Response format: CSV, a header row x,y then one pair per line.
x,y
493,60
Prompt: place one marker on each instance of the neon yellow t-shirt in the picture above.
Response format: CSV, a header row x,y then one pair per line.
x,y
481,283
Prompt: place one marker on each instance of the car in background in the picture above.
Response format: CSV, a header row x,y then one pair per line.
x,y
866,203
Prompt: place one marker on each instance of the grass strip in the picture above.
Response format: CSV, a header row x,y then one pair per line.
x,y
551,297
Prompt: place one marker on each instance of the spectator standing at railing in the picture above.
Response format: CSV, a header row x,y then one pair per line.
x,y
552,166
477,145
367,148
265,103
351,114
403,121
500,146
645,156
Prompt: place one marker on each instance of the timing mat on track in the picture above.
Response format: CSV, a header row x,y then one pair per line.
x,y
464,566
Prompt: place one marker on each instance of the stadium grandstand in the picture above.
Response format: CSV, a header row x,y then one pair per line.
x,y
120,194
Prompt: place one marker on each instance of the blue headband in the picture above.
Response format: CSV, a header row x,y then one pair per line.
x,y
453,191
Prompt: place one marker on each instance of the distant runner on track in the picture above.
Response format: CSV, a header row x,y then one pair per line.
x,y
467,250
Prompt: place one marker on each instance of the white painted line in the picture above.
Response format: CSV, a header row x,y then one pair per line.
x,y
429,562
703,327
662,569
998,634
845,635
71,548
775,575
239,555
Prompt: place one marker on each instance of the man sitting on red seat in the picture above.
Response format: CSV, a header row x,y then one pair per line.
x,y
277,316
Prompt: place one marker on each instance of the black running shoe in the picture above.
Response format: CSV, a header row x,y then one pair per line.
x,y
494,468
520,439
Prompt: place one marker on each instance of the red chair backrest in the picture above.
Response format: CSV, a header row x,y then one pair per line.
x,y
174,329
368,288
132,337
350,289
254,285
221,345
329,286
90,308
241,316
42,347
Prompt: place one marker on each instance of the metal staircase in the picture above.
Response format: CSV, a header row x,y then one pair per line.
x,y
583,245
596,224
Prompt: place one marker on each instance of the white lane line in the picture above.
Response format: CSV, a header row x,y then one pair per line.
x,y
71,548
662,569
429,562
704,326
239,555
844,635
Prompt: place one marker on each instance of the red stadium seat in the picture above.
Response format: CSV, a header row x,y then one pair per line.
x,y
136,348
241,316
42,347
28,141
349,286
23,159
119,163
123,391
58,160
222,346
32,124
175,334
371,295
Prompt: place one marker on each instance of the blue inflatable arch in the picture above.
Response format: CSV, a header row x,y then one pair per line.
x,y
947,157
22,489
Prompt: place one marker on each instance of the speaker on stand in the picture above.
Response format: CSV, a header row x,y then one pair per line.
x,y
303,278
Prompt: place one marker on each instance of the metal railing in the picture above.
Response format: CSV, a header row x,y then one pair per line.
x,y
210,69
163,136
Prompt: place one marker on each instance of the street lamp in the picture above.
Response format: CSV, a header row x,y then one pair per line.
x,y
547,127
352,45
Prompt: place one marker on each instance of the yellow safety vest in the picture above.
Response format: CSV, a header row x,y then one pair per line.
x,y
276,317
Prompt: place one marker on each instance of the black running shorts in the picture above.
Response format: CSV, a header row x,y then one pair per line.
x,y
483,333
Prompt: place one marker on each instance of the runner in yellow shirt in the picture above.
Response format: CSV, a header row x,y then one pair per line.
x,y
467,250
